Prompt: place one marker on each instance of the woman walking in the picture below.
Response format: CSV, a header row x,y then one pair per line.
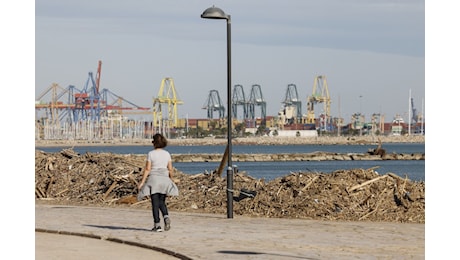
x,y
157,182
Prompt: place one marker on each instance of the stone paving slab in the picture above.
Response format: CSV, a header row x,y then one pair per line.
x,y
209,236
50,246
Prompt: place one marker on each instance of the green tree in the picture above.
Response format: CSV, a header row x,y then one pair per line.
x,y
240,129
261,130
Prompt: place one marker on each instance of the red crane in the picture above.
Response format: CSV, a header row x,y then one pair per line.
x,y
98,76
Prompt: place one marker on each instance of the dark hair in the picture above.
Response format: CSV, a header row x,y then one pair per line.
x,y
159,141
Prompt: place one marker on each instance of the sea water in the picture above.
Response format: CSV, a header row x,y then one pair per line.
x,y
412,169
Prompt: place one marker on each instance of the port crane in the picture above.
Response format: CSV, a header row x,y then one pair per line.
x,y
167,96
88,103
98,75
214,103
292,106
416,118
54,107
256,99
320,94
378,123
239,99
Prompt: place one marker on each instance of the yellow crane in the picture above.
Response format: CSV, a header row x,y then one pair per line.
x,y
320,95
167,96
54,106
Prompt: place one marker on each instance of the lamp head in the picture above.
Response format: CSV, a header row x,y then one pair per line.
x,y
214,13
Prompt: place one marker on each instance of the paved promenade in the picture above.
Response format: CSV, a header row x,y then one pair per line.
x,y
99,233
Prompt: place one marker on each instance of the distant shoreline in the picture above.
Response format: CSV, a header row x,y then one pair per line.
x,y
325,140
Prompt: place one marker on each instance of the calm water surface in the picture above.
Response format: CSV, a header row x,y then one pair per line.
x,y
414,170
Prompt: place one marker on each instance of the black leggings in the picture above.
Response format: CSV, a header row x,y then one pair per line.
x,y
158,201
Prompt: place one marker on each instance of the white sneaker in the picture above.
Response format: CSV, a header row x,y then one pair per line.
x,y
157,229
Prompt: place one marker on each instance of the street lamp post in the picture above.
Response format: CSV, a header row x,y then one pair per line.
x,y
217,13
361,115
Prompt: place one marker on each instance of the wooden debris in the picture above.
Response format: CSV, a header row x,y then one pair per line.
x,y
379,150
106,179
366,183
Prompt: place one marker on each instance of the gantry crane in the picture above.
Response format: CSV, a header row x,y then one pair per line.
x,y
57,110
239,99
214,103
256,99
292,106
320,94
167,96
83,103
87,105
53,107
378,123
416,118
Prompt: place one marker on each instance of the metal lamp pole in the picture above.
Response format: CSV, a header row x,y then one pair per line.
x,y
217,13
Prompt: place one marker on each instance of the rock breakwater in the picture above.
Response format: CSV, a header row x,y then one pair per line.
x,y
286,157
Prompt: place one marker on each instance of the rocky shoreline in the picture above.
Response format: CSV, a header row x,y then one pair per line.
x,y
291,157
266,140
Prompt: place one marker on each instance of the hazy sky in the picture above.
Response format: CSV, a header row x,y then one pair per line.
x,y
372,52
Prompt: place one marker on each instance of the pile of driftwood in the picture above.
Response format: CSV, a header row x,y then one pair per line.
x,y
106,179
